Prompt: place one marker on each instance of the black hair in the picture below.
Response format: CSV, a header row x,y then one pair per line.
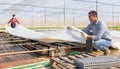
x,y
13,14
93,12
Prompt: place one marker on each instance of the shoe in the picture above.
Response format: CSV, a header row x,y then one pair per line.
x,y
106,51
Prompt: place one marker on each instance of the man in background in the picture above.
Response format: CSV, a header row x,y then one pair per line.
x,y
13,21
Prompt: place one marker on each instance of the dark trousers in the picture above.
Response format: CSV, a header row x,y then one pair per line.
x,y
13,25
89,46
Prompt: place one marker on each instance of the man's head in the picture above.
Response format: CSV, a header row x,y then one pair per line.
x,y
13,15
92,16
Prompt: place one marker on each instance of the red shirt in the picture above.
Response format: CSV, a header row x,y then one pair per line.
x,y
13,20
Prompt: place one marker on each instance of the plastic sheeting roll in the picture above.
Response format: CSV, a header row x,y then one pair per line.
x,y
64,34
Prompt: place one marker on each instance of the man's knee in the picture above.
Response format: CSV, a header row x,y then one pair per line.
x,y
98,45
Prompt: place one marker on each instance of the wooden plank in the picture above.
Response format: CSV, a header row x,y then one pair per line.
x,y
23,47
86,55
92,54
10,39
18,44
67,60
28,46
37,47
56,65
21,52
45,44
79,56
72,57
66,65
60,66
7,41
56,60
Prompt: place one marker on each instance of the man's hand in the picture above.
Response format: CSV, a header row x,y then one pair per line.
x,y
7,23
89,37
84,35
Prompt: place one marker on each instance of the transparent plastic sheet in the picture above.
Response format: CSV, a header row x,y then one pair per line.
x,y
64,34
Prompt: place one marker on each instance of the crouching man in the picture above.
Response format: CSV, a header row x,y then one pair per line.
x,y
100,33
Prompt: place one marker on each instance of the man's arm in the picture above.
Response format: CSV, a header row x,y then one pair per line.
x,y
17,21
87,29
99,33
9,20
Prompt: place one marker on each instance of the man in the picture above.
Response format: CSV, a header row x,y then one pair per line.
x,y
100,33
13,21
